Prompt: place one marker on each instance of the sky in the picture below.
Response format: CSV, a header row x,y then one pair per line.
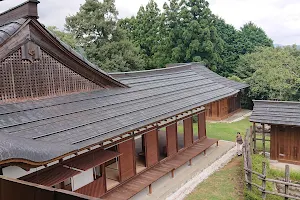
x,y
280,19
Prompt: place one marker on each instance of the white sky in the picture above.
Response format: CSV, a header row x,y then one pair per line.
x,y
279,18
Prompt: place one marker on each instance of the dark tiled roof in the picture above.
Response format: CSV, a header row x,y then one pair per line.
x,y
9,29
276,112
66,123
143,77
203,71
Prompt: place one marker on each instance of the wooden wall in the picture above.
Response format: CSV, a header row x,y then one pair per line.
x,y
285,143
22,79
127,159
11,189
223,108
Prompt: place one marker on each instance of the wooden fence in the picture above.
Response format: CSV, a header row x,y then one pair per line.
x,y
254,139
247,151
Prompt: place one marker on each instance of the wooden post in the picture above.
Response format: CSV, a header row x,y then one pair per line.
x,y
173,173
190,162
264,140
287,180
249,160
217,143
204,152
251,137
264,180
254,138
1,171
150,189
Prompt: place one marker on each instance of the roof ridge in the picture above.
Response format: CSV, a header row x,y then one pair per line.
x,y
272,101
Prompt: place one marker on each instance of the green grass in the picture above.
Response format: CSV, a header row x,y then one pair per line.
x,y
222,131
225,184
227,131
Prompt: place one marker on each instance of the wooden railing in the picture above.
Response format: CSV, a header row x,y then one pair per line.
x,y
249,172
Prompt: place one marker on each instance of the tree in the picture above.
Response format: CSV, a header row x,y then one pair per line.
x,y
64,36
272,73
230,53
200,40
252,36
95,27
144,30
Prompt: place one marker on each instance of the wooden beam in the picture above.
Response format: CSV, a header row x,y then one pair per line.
x,y
25,10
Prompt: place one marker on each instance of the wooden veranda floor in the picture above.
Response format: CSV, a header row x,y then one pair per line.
x,y
143,180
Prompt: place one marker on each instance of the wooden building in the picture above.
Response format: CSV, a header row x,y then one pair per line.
x,y
223,108
66,125
284,118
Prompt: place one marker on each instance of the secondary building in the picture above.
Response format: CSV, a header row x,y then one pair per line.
x,y
284,118
66,125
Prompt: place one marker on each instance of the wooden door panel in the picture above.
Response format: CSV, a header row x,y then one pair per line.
x,y
127,159
151,148
172,144
188,131
201,125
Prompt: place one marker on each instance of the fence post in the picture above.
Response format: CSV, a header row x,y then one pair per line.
x,y
264,140
247,160
264,180
287,180
254,138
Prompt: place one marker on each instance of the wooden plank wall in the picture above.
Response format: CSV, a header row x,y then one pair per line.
x,y
201,125
285,143
151,148
127,159
172,140
188,131
22,79
11,189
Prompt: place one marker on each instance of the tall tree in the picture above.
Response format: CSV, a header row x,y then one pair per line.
x,y
95,26
252,36
144,29
230,53
200,40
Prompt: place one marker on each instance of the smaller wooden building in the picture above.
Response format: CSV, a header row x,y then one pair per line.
x,y
284,118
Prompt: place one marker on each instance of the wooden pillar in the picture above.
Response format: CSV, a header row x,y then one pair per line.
x,y
127,159
264,168
172,140
188,131
254,138
287,179
151,148
173,170
1,171
201,125
150,189
264,140
190,162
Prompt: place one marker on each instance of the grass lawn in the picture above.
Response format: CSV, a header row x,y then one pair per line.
x,y
225,184
223,131
227,131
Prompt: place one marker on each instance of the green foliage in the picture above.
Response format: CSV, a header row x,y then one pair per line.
x,y
237,43
64,36
272,73
95,26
